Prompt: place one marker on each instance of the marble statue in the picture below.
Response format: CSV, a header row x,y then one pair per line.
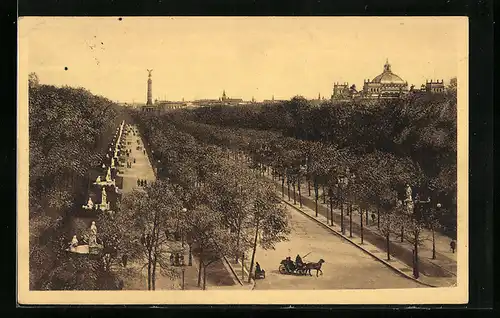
x,y
399,203
93,235
74,243
108,175
90,204
408,193
104,197
409,200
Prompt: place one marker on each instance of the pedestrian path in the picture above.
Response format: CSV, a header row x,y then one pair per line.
x,y
445,263
135,272
218,277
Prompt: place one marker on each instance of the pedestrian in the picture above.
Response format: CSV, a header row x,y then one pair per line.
x,y
124,260
134,160
120,284
453,246
144,151
172,259
145,183
373,217
138,182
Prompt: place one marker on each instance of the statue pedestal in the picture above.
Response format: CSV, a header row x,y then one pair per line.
x,y
80,249
105,183
104,207
86,249
95,249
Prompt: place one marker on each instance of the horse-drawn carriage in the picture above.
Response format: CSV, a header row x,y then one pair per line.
x,y
288,267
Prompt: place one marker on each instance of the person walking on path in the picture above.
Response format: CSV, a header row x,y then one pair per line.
x,y
124,260
453,246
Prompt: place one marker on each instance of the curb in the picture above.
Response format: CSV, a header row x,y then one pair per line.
x,y
360,247
232,270
252,284
246,271
431,262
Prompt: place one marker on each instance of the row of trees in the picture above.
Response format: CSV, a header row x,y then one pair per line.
x,y
208,200
350,180
69,130
421,129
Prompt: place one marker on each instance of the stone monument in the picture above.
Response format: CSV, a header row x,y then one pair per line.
x,y
108,175
73,244
90,205
93,235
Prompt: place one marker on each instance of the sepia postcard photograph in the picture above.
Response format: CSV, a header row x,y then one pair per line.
x,y
242,160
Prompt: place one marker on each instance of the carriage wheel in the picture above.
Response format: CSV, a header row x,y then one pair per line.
x,y
282,269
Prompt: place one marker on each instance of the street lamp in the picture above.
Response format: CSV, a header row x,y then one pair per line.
x,y
438,209
341,181
184,210
353,178
301,171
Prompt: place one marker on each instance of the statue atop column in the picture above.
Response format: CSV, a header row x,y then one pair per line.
x,y
150,89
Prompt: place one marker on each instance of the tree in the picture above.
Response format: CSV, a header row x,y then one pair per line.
x,y
386,228
211,239
147,216
69,131
270,221
33,80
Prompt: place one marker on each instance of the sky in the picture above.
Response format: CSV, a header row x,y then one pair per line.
x,y
199,57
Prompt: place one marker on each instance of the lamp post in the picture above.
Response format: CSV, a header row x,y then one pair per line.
x,y
316,195
353,178
301,171
183,270
341,181
184,210
189,240
438,209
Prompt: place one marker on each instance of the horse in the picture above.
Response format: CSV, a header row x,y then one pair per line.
x,y
316,266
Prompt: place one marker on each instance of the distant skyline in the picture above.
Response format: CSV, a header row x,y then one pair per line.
x,y
199,57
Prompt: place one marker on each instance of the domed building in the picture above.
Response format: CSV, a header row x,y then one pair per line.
x,y
385,85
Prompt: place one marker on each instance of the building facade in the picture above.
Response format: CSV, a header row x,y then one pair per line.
x,y
385,85
436,86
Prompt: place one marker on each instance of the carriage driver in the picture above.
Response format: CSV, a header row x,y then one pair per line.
x,y
298,261
289,264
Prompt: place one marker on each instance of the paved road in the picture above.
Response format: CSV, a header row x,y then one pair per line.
x,y
346,266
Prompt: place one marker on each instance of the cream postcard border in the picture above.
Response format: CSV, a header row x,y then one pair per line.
x,y
454,295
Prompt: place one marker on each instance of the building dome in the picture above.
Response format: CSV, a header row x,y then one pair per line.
x,y
388,77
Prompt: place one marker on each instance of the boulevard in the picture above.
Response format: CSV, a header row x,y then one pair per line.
x,y
345,267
